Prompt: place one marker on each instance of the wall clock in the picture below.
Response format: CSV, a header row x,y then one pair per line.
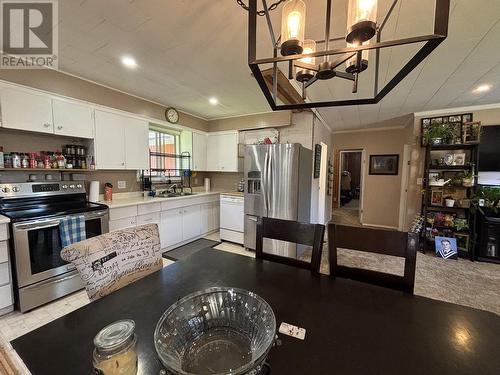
x,y
172,115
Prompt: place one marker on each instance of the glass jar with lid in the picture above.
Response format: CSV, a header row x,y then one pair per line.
x,y
115,350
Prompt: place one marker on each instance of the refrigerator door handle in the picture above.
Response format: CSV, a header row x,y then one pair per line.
x,y
265,182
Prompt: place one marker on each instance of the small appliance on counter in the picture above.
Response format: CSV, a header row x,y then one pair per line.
x,y
36,210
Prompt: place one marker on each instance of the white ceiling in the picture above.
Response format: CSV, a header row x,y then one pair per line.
x,y
189,51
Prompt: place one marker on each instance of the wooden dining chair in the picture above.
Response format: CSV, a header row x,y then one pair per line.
x,y
387,242
293,232
113,260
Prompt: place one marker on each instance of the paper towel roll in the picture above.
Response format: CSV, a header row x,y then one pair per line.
x,y
207,184
94,191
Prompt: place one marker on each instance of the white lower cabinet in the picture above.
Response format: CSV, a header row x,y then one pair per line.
x,y
171,227
178,220
6,301
191,222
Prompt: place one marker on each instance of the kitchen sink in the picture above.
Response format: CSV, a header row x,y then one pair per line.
x,y
173,195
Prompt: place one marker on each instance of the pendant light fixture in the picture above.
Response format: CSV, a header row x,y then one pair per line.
x,y
361,21
363,33
293,19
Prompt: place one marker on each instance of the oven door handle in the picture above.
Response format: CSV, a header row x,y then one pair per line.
x,y
41,224
36,225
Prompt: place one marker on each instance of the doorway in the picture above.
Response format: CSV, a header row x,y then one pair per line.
x,y
350,169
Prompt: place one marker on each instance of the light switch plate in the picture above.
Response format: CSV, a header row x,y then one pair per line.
x,y
419,181
122,184
291,330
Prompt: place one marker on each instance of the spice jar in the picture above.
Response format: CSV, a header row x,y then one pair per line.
x,y
16,160
115,350
7,157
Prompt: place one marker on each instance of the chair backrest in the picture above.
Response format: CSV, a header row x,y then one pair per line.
x,y
113,260
292,232
387,242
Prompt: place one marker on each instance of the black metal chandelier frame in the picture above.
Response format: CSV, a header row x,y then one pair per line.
x,y
441,18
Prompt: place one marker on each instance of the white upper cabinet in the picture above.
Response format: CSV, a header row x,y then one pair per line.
x,y
199,156
222,152
72,119
26,110
121,142
136,144
109,141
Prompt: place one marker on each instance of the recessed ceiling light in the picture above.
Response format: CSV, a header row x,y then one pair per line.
x,y
213,101
482,88
129,62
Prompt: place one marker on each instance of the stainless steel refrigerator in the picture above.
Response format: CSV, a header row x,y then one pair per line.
x,y
277,185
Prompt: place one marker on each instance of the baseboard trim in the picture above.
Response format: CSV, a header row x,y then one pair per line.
x,y
379,226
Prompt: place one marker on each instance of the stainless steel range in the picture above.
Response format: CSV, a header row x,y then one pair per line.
x,y
36,210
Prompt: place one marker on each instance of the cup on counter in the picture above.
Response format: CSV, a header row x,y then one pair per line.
x,y
108,192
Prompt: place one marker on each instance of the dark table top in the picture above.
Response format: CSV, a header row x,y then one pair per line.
x,y
352,328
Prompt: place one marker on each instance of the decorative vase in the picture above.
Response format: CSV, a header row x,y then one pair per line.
x,y
436,141
449,202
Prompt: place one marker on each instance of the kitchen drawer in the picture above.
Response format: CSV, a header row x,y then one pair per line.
x,y
4,232
4,273
122,223
149,218
122,212
5,296
4,252
143,209
189,201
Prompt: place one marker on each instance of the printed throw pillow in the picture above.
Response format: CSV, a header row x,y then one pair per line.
x,y
113,260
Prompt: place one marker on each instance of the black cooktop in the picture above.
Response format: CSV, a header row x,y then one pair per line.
x,y
22,209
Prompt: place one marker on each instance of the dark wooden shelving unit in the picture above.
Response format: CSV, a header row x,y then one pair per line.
x,y
471,150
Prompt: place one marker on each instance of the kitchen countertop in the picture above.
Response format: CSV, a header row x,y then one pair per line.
x,y
4,219
133,200
233,193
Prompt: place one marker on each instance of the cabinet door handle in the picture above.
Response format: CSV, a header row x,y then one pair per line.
x,y
123,163
59,127
46,124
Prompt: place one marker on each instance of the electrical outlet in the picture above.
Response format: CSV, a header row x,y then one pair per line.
x,y
122,184
419,181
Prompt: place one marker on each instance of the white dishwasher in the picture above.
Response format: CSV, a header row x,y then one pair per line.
x,y
232,218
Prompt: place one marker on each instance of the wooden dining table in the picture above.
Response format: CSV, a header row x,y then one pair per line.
x,y
351,327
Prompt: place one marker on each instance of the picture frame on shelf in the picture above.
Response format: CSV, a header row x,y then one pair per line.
x,y
384,164
453,124
446,247
459,158
436,197
448,159
462,241
471,132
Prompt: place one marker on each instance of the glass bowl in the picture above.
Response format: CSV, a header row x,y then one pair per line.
x,y
216,331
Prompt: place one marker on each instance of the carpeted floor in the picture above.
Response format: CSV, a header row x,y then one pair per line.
x,y
473,284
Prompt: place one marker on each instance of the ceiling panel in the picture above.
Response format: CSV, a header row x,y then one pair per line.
x,y
188,51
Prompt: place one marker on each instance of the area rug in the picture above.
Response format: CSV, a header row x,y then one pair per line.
x,y
188,249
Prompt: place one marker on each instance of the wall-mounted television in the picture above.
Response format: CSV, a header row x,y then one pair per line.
x,y
489,156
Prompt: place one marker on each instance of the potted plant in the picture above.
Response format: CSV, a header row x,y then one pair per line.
x,y
439,134
468,179
488,197
449,201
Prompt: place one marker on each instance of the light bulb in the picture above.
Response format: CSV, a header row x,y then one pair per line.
x,y
293,24
365,7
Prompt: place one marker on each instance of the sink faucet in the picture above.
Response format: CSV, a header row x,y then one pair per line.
x,y
174,187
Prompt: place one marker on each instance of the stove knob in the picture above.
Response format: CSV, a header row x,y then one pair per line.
x,y
5,190
15,189
79,186
64,187
71,186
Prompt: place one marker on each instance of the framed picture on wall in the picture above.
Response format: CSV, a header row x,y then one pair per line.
x,y
384,164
